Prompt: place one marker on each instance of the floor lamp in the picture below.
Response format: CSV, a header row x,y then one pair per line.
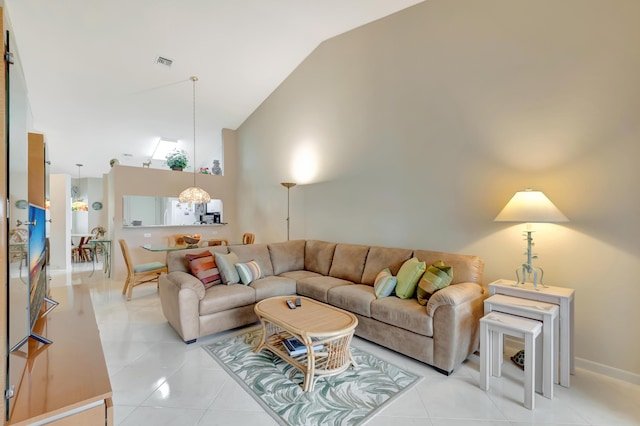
x,y
288,185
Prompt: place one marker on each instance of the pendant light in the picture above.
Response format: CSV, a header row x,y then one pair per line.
x,y
78,204
194,194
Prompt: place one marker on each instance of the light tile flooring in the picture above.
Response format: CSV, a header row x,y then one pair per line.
x,y
159,380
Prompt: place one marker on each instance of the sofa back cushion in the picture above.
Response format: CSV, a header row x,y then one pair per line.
x,y
176,260
348,262
466,268
318,256
257,252
287,256
380,258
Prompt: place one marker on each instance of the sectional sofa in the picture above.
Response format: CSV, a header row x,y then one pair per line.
x,y
442,334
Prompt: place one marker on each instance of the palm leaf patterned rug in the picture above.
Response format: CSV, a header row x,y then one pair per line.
x,y
350,398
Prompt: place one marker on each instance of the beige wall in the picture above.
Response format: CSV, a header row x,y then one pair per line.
x,y
415,130
125,180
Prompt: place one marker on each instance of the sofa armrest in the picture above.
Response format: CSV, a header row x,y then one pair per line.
x,y
184,280
180,296
453,295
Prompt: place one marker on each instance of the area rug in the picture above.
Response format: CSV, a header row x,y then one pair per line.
x,y
350,398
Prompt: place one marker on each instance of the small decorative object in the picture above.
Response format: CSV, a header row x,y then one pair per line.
x,y
146,164
216,170
114,162
177,159
100,231
96,205
22,204
205,171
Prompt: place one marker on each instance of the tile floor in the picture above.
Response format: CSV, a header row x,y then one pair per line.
x,y
159,380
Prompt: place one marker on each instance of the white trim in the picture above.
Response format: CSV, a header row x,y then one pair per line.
x,y
608,371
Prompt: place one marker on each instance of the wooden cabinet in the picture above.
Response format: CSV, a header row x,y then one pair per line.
x,y
66,382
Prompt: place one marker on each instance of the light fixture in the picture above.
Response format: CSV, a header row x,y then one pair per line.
x,y
194,194
528,207
288,185
163,147
78,204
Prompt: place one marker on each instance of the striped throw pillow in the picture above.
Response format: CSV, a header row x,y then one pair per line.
x,y
436,277
249,271
384,284
203,266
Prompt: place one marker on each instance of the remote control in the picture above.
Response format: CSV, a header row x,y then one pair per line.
x,y
298,301
290,304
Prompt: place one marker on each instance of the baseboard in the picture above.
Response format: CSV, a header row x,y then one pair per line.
x,y
608,371
514,344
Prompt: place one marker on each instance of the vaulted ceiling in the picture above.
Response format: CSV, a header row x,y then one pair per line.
x,y
97,92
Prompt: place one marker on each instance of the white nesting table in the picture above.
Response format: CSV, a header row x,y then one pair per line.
x,y
539,311
561,296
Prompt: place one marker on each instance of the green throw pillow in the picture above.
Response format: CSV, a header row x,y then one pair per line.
x,y
408,277
437,277
384,284
227,267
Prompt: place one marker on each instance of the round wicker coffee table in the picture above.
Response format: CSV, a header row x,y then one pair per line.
x,y
317,325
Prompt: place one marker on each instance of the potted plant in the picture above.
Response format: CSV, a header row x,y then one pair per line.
x,y
177,159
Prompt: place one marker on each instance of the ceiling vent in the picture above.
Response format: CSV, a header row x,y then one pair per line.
x,y
164,61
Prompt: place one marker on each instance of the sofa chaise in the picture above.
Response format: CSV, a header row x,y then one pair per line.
x,y
442,334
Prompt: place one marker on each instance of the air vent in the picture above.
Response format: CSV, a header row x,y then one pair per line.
x,y
164,61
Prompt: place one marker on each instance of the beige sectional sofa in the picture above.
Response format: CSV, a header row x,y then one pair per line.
x,y
442,334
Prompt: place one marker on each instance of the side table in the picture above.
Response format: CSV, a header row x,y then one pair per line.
x,y
561,296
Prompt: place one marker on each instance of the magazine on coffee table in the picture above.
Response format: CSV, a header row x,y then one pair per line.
x,y
295,347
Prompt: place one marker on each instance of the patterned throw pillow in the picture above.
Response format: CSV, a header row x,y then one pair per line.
x,y
203,266
249,271
436,277
384,284
408,277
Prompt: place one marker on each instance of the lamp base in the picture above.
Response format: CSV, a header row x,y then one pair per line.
x,y
527,270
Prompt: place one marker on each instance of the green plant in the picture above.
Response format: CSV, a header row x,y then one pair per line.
x,y
177,159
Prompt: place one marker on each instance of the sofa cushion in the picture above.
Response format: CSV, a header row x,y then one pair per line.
x,y
468,268
354,298
257,252
436,277
384,284
227,267
176,260
318,287
379,258
318,256
348,262
287,256
224,297
249,271
203,266
300,275
408,277
273,286
407,314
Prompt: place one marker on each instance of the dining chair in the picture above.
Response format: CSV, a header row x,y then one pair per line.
x,y
213,242
84,248
141,273
248,238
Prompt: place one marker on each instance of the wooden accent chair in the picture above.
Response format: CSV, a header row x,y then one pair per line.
x,y
213,242
141,273
248,238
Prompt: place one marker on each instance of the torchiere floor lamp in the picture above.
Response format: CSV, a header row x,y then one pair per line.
x,y
288,185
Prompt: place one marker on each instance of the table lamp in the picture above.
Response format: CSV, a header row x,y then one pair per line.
x,y
529,207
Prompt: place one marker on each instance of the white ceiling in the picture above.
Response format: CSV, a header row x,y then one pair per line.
x,y
95,89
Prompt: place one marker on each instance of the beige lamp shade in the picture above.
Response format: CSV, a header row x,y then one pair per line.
x,y
530,206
